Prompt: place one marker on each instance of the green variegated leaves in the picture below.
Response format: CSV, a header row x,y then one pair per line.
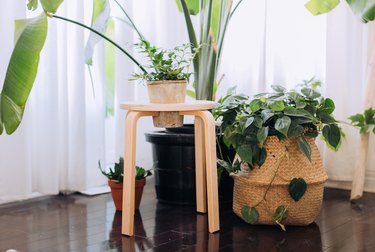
x,y
30,37
250,214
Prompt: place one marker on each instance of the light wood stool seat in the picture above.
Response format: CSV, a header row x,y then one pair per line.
x,y
205,157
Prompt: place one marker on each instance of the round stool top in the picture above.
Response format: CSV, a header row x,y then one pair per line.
x,y
187,106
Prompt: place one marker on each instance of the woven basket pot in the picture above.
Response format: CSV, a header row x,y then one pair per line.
x,y
286,158
167,91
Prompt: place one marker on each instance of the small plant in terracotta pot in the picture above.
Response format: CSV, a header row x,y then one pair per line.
x,y
115,181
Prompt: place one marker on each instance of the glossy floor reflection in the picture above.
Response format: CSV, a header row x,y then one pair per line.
x,y
80,223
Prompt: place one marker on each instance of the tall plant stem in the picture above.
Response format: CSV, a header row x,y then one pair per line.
x,y
103,36
129,19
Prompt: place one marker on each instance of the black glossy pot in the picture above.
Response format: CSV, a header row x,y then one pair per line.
x,y
174,158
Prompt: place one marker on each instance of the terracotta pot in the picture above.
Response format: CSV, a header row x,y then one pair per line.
x,y
116,190
167,92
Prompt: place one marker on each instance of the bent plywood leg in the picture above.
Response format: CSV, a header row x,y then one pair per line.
x,y
211,168
200,172
129,170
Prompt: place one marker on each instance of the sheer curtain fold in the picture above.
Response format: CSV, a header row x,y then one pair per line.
x,y
61,138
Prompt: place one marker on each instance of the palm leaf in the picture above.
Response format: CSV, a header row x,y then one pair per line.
x,y
30,37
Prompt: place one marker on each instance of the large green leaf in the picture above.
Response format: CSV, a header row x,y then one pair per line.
x,y
245,153
20,76
304,146
192,38
332,136
109,59
281,213
99,22
317,7
51,5
297,188
365,8
32,4
282,125
250,214
193,6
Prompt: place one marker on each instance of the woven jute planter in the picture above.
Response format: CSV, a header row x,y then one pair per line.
x,y
286,158
167,92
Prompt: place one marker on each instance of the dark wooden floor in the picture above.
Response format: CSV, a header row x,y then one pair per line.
x,y
81,223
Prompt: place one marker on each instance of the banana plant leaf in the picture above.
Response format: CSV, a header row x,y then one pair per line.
x,y
99,22
51,6
192,6
30,37
364,8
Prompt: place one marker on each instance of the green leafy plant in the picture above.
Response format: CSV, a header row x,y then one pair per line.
x,y
165,64
117,172
214,19
364,122
297,114
364,8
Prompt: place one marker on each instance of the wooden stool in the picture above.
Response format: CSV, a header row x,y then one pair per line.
x,y
205,157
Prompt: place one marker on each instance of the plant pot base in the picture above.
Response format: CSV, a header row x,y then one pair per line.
x,y
168,120
167,92
116,190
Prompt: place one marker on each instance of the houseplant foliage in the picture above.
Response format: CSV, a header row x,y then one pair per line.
x,y
164,64
30,35
117,172
299,115
364,122
214,19
364,8
115,177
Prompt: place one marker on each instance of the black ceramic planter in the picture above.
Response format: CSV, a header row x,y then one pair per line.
x,y
174,158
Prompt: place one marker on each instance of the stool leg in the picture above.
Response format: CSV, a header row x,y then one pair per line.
x,y
129,173
200,173
211,171
211,167
129,170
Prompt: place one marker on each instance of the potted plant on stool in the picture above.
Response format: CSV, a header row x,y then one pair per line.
x,y
166,76
115,181
278,173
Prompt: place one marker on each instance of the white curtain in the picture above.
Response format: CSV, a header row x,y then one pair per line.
x,y
61,138
64,132
279,42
